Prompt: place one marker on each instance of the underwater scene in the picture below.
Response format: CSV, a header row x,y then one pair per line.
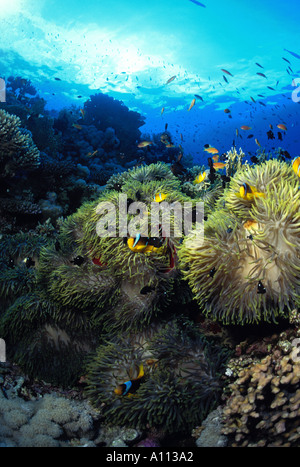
x,y
149,224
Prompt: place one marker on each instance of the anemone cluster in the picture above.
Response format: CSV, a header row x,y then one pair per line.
x,y
246,269
99,300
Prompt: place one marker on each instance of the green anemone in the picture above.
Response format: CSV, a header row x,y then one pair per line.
x,y
246,271
180,383
264,177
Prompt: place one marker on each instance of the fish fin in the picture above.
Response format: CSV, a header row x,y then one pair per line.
x,y
137,239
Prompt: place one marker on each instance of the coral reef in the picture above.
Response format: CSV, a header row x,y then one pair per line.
x,y
102,111
17,150
52,421
262,408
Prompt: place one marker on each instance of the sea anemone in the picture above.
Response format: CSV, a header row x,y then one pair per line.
x,y
179,385
248,271
46,341
264,177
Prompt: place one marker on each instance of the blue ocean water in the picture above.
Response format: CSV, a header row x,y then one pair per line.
x,y
130,49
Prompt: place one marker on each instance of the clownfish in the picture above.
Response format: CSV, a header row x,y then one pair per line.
x,y
141,244
248,192
159,197
132,385
296,166
200,178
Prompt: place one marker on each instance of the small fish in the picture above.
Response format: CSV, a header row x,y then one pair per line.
x,y
257,142
258,65
171,79
281,126
198,3
215,158
270,134
225,79
286,60
250,136
252,99
260,288
170,145
227,72
57,79
286,154
248,192
296,166
219,165
227,111
198,97
78,261
92,154
132,385
28,262
254,159
200,178
272,89
82,112
144,144
261,74
162,111
192,104
212,272
78,127
159,197
293,53
211,150
245,127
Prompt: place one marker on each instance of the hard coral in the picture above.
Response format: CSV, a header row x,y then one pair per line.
x,y
104,112
17,150
264,406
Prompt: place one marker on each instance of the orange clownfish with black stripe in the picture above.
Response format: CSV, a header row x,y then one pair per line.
x,y
296,166
248,192
129,387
